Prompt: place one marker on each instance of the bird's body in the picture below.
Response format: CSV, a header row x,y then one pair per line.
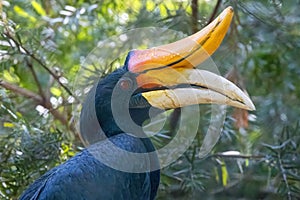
x,y
124,164
102,171
85,177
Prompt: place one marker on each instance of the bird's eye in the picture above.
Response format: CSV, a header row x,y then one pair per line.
x,y
125,83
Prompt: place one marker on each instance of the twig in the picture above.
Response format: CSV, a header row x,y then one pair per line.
x,y
284,176
21,91
214,13
39,100
194,6
256,157
263,21
57,115
22,49
176,114
29,64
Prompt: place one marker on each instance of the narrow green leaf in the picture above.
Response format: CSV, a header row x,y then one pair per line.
x,y
23,13
224,174
55,91
10,76
38,8
8,125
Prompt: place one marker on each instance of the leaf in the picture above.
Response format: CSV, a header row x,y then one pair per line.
x,y
10,76
163,10
38,8
55,91
150,6
8,125
224,174
19,114
23,13
217,174
241,118
240,115
5,3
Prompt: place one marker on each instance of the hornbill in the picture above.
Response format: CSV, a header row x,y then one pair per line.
x,y
156,79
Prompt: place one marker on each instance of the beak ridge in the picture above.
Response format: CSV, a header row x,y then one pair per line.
x,y
169,78
187,52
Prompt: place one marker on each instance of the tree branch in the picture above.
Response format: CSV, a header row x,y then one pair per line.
x,y
39,100
24,50
214,13
21,91
256,157
57,115
284,177
29,64
42,98
194,6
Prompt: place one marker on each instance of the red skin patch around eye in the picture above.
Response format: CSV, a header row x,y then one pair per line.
x,y
125,84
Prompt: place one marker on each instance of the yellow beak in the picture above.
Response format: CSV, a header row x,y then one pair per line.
x,y
169,76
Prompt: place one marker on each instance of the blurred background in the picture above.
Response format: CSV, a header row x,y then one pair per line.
x,y
43,45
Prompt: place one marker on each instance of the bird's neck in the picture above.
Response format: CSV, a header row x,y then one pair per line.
x,y
133,128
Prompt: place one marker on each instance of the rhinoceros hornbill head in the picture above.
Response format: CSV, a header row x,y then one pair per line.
x,y
160,78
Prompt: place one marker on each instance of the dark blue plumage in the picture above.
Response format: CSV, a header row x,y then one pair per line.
x,y
86,175
122,163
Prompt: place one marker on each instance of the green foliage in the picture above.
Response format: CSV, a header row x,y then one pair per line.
x,y
44,43
28,151
283,160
